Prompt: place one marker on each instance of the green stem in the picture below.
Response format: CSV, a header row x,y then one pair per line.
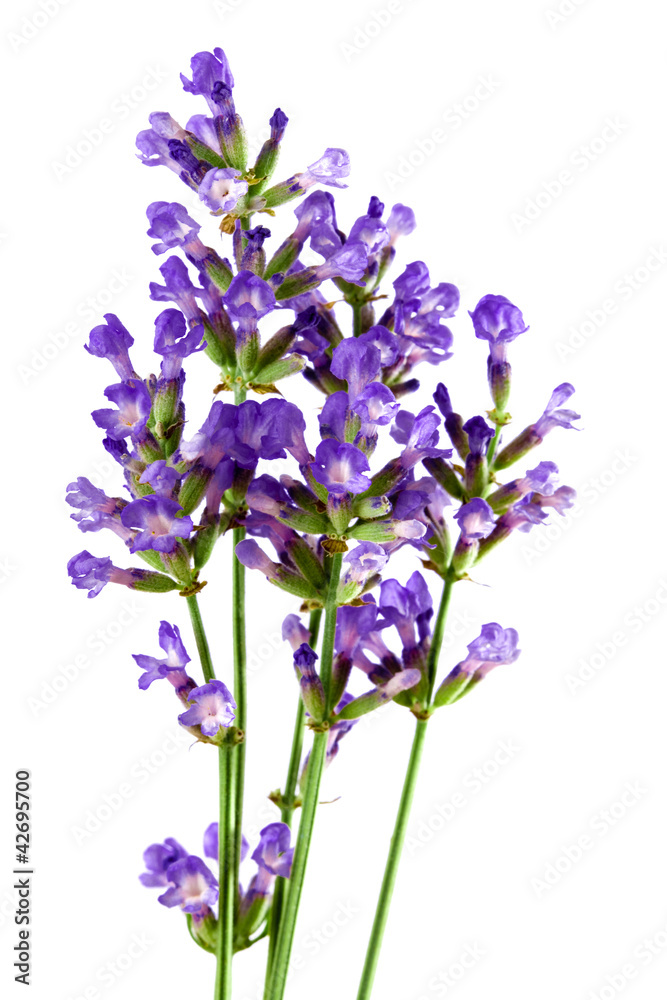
x,y
356,318
407,795
240,689
287,806
275,985
395,849
228,880
200,638
494,444
438,636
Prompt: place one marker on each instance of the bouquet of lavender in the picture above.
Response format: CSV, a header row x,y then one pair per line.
x,y
334,522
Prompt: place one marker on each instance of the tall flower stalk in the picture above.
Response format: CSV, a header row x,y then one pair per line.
x,y
334,521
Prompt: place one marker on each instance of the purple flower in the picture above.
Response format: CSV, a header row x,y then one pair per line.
x,y
204,129
387,344
475,519
92,574
208,68
256,435
329,169
112,341
248,299
561,500
171,225
523,515
287,425
363,561
348,262
154,151
372,232
479,434
96,509
156,517
412,283
554,417
273,853
212,708
295,632
174,342
405,607
493,647
89,500
191,886
177,288
215,438
357,362
162,477
249,553
401,222
158,858
172,666
376,405
419,435
495,319
333,419
134,406
542,479
221,188
340,468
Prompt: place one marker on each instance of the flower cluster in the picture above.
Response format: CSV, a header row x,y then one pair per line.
x,y
336,519
186,881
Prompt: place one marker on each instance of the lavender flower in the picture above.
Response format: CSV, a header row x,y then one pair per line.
x,y
134,406
553,416
178,288
90,573
273,852
172,666
499,322
192,886
221,188
212,708
340,468
208,68
171,225
332,166
494,647
112,341
475,519
158,858
160,527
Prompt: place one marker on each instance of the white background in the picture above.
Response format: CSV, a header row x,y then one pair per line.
x,y
587,596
